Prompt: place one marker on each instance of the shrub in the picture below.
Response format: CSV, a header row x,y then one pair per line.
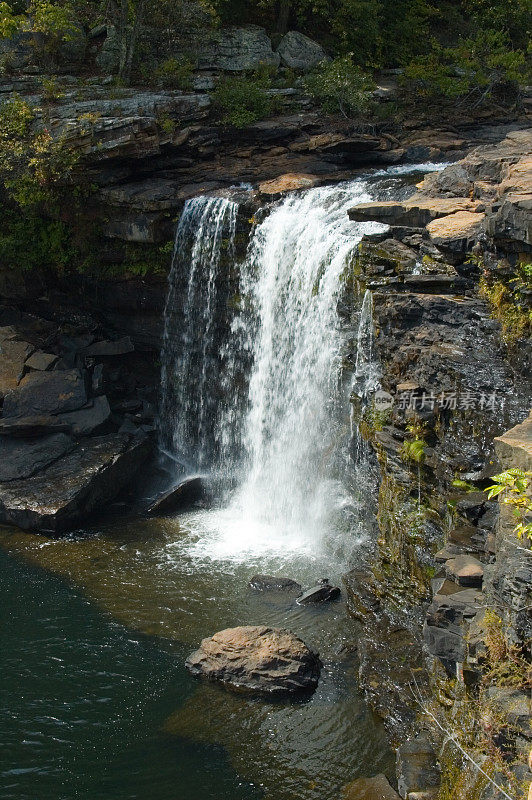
x,y
175,73
244,101
33,164
51,90
340,86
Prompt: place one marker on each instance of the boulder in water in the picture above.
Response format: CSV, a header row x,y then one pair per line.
x,y
255,658
269,583
181,496
376,788
320,593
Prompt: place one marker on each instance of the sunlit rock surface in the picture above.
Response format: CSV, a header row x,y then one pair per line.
x,y
257,659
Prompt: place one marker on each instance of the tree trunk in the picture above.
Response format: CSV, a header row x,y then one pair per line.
x,y
284,16
132,43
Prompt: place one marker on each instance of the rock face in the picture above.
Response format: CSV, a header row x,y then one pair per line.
x,y
287,183
21,458
417,769
68,490
238,49
61,456
46,393
297,51
269,661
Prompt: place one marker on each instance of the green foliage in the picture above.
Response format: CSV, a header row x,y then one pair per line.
x,y
340,86
472,70
51,90
464,485
414,451
175,73
373,420
10,23
514,487
33,164
30,242
243,101
166,124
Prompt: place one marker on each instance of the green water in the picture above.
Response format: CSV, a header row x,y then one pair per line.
x,y
96,703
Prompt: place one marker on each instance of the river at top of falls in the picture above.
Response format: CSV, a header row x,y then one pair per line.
x,y
284,439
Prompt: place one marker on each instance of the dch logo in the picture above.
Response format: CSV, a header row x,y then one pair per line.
x,y
383,400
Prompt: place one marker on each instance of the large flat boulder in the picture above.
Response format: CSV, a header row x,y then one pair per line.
x,y
297,51
41,393
456,232
64,494
415,212
287,183
21,458
237,50
32,427
251,658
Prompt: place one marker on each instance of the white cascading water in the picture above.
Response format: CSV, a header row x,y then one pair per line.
x,y
296,489
293,492
190,353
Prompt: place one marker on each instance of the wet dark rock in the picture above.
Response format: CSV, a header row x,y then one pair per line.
x,y
417,769
446,628
269,661
321,593
66,492
46,393
119,347
182,496
21,458
377,788
31,427
88,420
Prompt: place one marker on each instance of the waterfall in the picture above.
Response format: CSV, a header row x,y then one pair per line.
x,y
261,395
194,319
295,429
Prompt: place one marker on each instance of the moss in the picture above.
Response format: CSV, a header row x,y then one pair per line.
x,y
507,300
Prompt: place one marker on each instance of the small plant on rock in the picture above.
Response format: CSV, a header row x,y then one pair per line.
x,y
514,488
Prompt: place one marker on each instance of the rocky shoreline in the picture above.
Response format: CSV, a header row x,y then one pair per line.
x,y
447,570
